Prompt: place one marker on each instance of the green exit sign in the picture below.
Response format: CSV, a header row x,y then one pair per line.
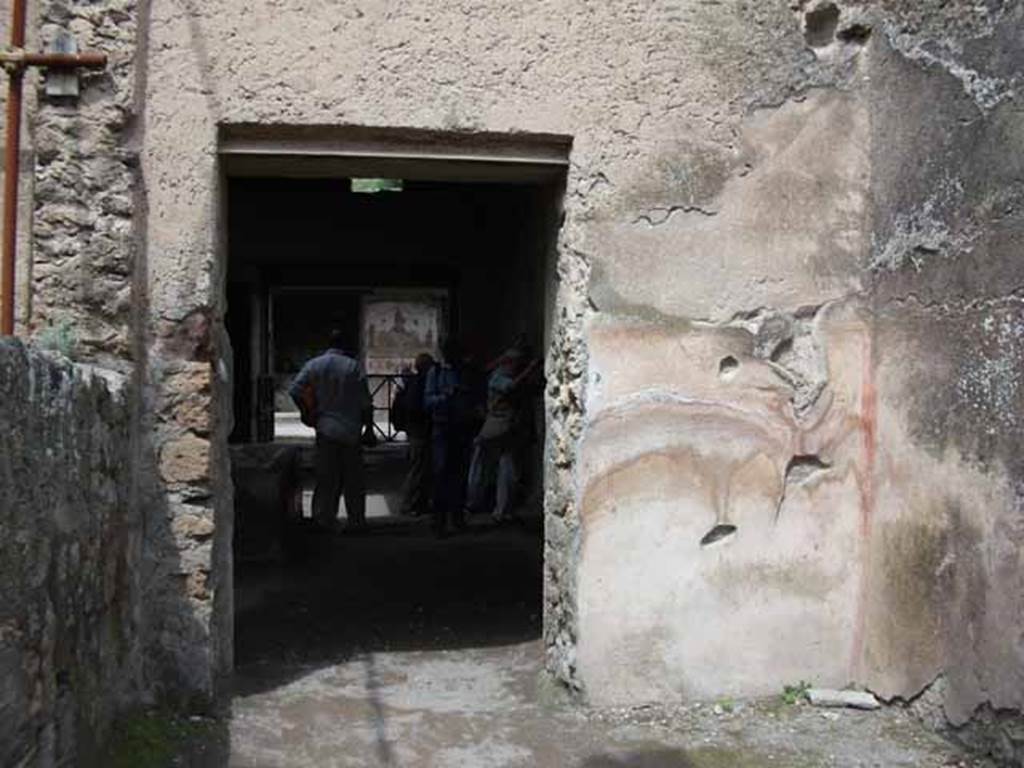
x,y
376,185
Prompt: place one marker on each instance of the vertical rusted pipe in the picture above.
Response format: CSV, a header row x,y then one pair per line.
x,y
12,150
18,24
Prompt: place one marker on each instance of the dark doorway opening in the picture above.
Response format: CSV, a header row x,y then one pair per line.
x,y
396,269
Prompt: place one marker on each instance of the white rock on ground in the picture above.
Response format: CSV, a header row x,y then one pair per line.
x,y
825,697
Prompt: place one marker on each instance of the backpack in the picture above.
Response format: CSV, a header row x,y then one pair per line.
x,y
407,409
467,405
400,408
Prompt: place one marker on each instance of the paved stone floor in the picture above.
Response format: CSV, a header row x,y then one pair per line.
x,y
398,649
488,707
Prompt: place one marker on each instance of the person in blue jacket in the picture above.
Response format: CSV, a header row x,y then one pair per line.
x,y
454,399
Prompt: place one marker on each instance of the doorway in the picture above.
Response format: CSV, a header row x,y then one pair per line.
x,y
397,253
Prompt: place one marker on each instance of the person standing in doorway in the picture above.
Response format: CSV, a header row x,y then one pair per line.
x,y
332,395
498,447
410,416
453,402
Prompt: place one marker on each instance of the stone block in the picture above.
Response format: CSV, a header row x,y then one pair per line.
x,y
193,413
197,527
185,459
196,585
826,697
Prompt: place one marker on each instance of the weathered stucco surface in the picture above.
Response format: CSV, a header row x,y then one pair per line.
x,y
701,432
70,551
788,301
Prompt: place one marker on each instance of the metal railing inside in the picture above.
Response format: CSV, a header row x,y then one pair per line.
x,y
383,388
273,424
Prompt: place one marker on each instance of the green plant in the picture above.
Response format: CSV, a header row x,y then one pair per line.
x,y
145,741
59,337
727,705
153,739
794,694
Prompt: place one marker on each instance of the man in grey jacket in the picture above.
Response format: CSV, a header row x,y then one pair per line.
x,y
332,395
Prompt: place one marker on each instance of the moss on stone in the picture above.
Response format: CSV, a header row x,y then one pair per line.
x,y
153,739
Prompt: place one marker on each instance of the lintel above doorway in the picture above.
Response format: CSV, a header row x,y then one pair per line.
x,y
347,151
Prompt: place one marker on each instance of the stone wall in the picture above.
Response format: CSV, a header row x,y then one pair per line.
x,y
84,186
86,264
70,554
737,340
719,355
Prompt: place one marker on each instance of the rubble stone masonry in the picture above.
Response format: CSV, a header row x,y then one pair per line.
x,y
70,559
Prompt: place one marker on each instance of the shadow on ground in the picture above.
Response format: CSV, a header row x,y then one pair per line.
x,y
396,588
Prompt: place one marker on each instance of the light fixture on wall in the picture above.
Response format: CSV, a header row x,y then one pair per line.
x,y
372,186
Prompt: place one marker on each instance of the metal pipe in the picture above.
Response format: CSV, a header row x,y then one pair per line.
x,y
15,59
18,24
12,151
87,59
19,59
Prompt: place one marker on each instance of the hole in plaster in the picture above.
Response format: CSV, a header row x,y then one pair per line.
x,y
728,366
718,533
857,34
820,25
785,346
800,468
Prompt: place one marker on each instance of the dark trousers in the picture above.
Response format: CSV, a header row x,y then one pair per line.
x,y
450,452
416,488
339,465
